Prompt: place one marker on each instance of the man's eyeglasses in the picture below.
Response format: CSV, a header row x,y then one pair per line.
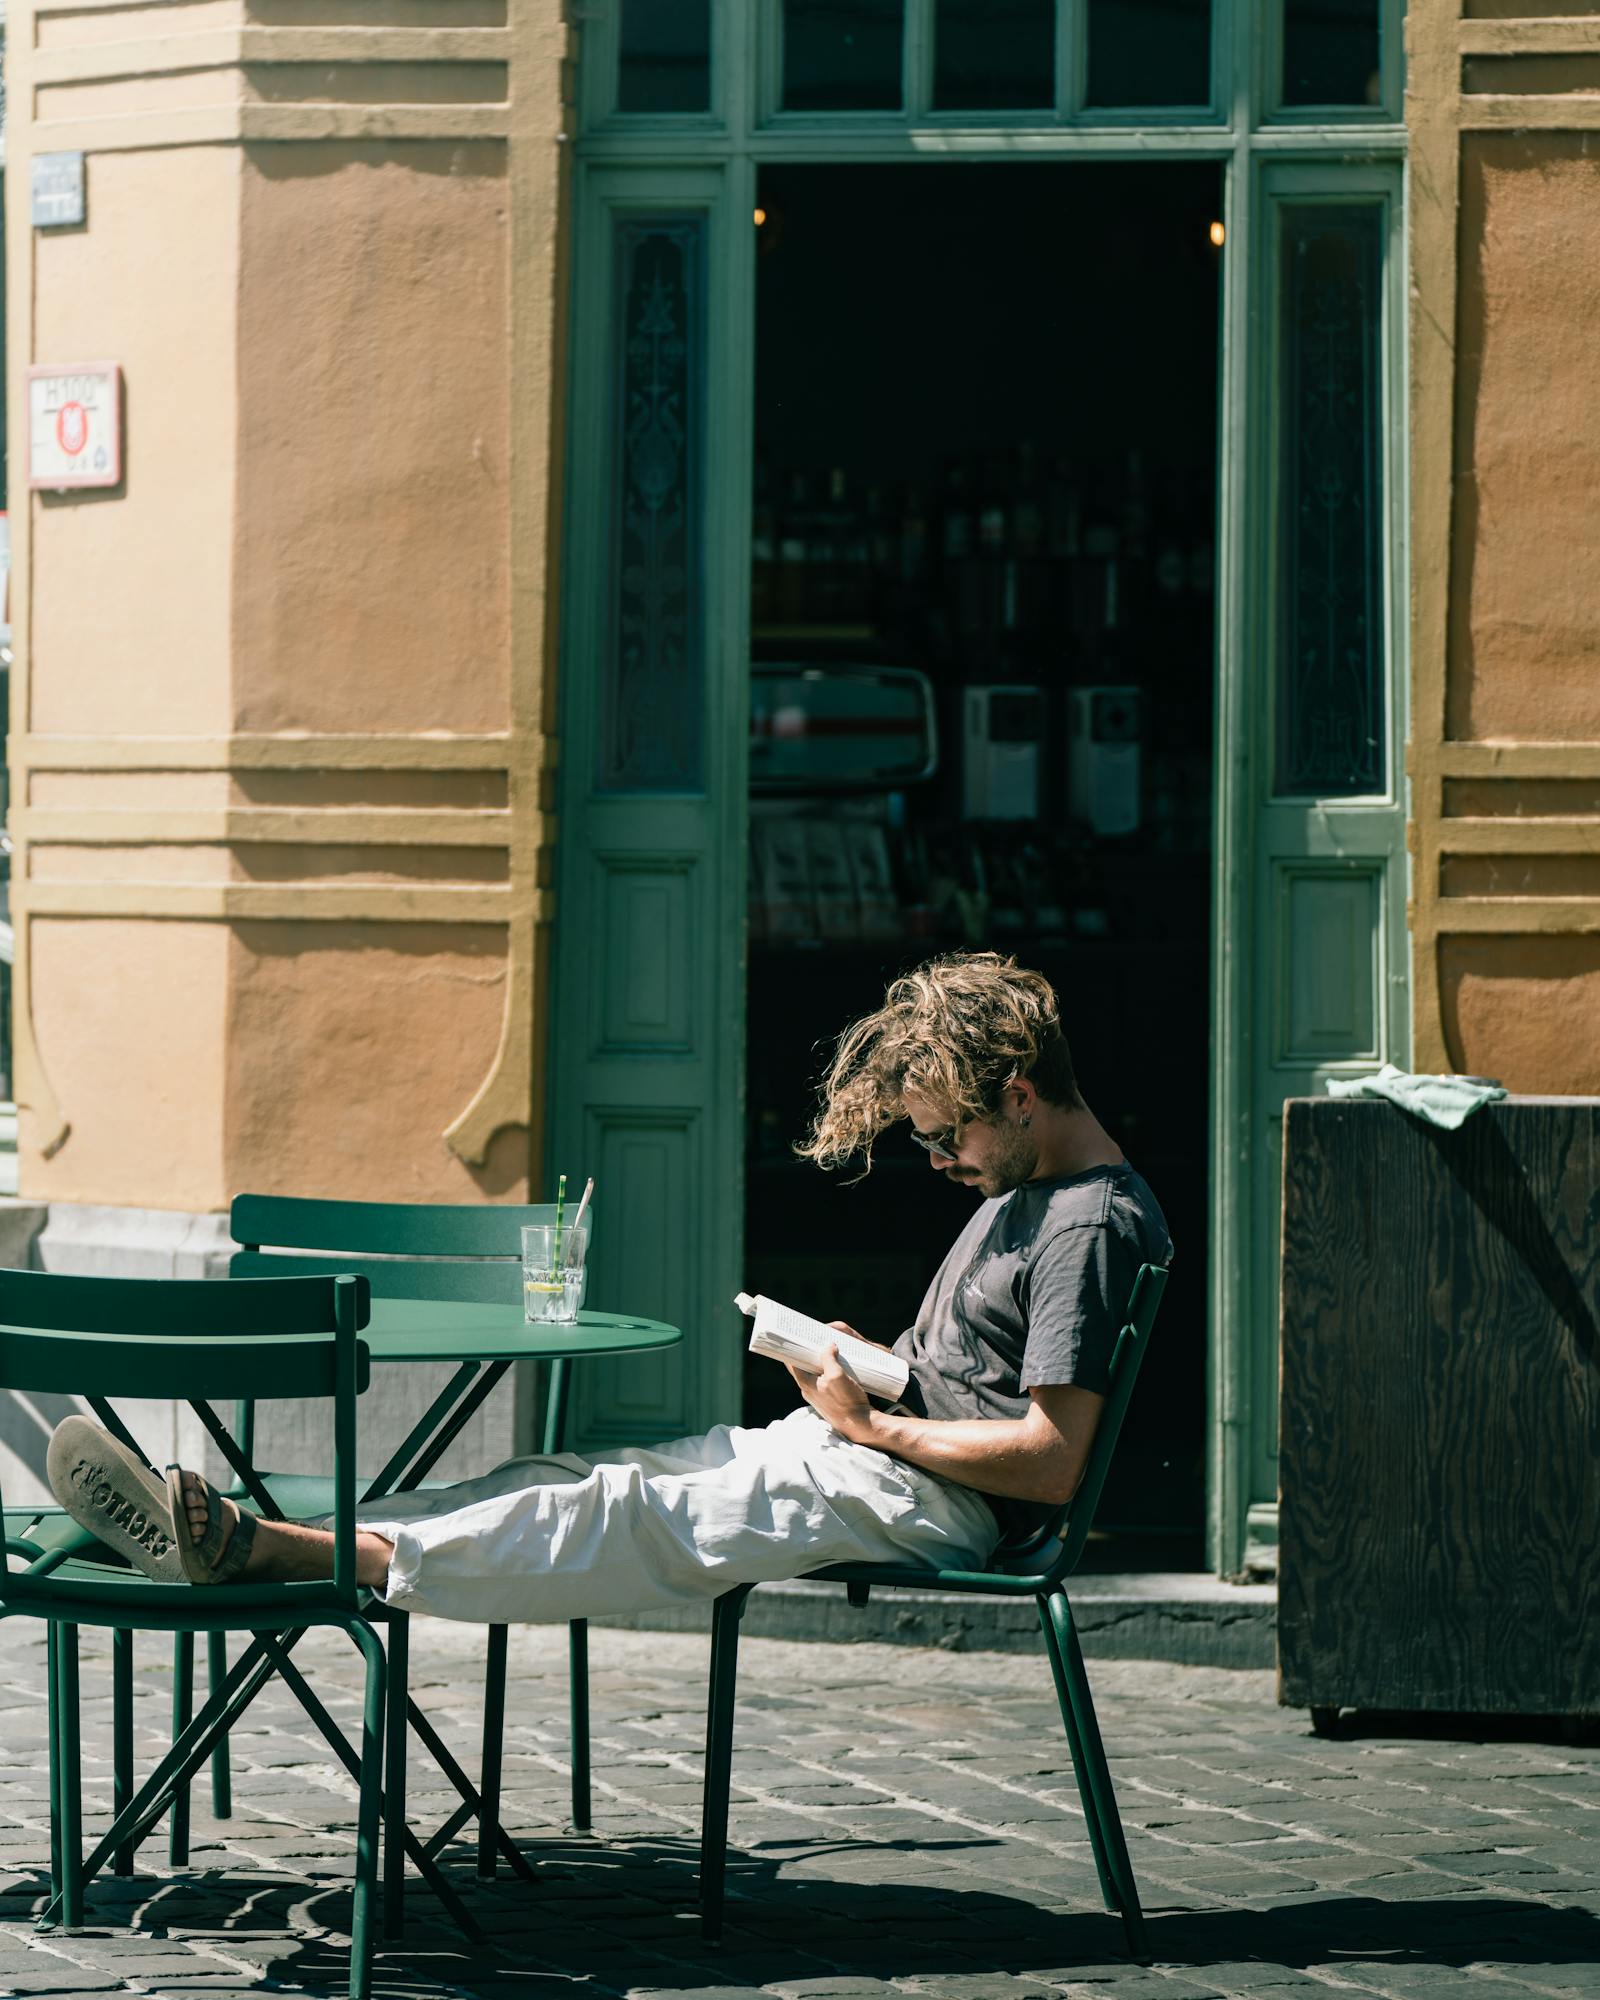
x,y
944,1142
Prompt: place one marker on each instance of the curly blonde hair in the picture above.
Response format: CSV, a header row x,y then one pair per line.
x,y
957,1030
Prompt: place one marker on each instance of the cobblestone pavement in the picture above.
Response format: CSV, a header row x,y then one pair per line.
x,y
905,1823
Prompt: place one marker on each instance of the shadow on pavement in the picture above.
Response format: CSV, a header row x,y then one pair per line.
x,y
624,1915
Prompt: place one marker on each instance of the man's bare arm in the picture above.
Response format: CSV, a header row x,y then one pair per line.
x,y
1040,1456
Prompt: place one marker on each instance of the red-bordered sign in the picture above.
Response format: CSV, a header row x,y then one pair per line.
x,y
75,425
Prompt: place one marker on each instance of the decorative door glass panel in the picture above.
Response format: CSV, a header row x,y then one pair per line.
x,y
994,55
652,727
1330,52
664,56
843,55
1149,53
1329,680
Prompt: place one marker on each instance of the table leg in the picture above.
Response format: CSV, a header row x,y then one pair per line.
x,y
394,1777
494,1725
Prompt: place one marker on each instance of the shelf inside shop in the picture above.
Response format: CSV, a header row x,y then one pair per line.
x,y
815,634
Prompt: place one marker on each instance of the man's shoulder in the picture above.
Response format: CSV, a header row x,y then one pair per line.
x,y
1115,1198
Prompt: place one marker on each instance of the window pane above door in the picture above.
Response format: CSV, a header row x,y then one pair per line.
x,y
664,56
994,55
843,55
1329,681
1330,52
1149,53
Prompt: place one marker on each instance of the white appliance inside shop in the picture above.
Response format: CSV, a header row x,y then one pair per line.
x,y
1103,762
1002,739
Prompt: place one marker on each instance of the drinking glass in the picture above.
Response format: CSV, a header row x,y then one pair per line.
x,y
552,1273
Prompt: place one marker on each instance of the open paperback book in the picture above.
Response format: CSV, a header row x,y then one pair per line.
x,y
783,1334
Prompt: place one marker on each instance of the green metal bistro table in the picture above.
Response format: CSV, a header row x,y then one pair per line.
x,y
484,1341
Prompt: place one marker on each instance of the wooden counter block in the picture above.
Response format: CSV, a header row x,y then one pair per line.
x,y
1439,1529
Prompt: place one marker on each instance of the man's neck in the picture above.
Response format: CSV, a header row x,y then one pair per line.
x,y
1071,1141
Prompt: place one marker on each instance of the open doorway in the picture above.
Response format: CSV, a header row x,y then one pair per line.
x,y
982,690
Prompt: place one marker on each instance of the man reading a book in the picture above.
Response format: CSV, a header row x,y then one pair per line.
x,y
1008,1359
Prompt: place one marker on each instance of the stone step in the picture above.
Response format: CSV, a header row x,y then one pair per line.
x,y
1187,1618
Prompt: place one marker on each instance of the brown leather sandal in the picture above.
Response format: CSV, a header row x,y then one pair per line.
x,y
109,1490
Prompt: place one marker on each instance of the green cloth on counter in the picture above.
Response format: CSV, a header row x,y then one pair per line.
x,y
1446,1101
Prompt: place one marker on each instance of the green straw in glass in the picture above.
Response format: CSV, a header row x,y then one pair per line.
x,y
561,1202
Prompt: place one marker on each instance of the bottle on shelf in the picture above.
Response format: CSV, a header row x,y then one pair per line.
x,y
913,538
956,537
993,512
1097,603
1063,515
1027,515
824,568
793,552
856,564
763,551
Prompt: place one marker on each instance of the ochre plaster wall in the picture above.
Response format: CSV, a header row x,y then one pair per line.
x,y
276,724
373,524
1504,758
134,585
347,1056
1525,596
135,1028
1525,1010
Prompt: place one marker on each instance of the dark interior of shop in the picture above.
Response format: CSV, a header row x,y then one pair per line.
x,y
983,648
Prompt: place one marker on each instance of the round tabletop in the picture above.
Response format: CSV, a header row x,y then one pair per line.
x,y
458,1330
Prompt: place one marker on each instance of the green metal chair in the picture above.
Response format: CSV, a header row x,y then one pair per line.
x,y
417,1251
1036,1567
96,1338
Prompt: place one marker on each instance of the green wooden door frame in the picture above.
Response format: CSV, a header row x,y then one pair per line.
x,y
1260,841
1261,147
647,1045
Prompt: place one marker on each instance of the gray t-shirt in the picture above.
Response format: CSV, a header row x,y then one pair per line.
x,y
1033,1294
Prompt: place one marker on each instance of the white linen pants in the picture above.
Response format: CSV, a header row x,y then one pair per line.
x,y
542,1540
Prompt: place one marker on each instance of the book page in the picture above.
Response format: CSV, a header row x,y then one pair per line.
x,y
783,1334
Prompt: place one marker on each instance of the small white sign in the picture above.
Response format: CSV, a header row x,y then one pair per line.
x,y
57,189
75,425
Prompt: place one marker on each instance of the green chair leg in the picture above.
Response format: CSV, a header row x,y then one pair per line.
x,y
71,1775
394,1791
52,1676
494,1729
725,1616
182,1712
368,1810
1080,1764
121,1740
578,1702
221,1770
1121,1867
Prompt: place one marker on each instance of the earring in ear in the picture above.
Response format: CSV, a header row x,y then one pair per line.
x,y
1027,1119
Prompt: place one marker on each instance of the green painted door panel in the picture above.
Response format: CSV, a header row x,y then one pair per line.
x,y
646,1052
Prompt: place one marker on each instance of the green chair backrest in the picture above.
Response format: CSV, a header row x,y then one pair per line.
x,y
405,1250
1058,1544
195,1340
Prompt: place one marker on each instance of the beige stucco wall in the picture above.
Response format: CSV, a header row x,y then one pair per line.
x,y
1525,587
276,731
1505,590
1525,597
133,588
372,525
